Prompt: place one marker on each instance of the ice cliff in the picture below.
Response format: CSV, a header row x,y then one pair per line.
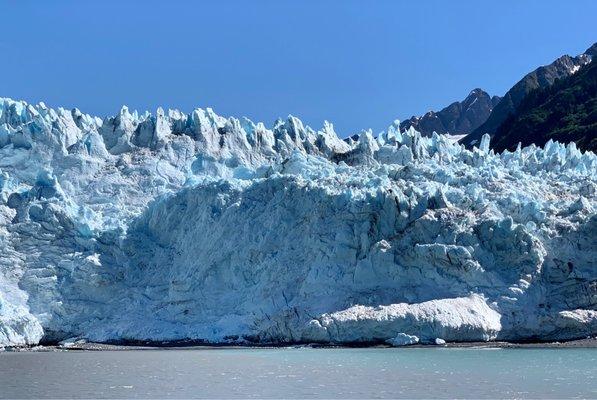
x,y
173,226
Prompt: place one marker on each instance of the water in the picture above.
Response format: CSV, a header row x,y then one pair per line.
x,y
302,372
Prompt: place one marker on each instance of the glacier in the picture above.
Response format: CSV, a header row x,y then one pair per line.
x,y
174,227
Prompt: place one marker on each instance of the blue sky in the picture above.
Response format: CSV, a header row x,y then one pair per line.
x,y
358,64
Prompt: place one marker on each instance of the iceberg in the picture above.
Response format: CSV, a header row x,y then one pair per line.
x,y
196,227
402,339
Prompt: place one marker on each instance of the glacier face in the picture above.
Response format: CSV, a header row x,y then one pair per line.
x,y
192,226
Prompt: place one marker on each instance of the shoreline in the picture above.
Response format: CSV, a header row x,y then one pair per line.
x,y
91,346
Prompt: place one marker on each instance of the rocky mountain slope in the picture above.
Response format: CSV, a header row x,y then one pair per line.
x,y
459,118
565,111
542,77
179,226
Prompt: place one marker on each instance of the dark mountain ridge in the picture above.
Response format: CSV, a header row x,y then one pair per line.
x,y
542,77
565,111
459,118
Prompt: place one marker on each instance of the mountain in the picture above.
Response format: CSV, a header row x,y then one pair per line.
x,y
565,111
459,118
175,226
543,76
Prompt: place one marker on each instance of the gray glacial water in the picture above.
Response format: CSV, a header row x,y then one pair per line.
x,y
301,372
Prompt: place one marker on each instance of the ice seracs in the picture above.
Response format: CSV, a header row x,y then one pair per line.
x,y
177,226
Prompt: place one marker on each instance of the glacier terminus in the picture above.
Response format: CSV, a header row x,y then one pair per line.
x,y
194,227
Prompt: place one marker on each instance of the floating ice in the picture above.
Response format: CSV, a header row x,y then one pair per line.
x,y
402,339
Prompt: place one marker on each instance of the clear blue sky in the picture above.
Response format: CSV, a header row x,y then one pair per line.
x,y
358,64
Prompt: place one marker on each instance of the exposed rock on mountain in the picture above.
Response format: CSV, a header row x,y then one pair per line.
x,y
458,118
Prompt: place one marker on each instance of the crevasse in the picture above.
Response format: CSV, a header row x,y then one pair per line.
x,y
192,226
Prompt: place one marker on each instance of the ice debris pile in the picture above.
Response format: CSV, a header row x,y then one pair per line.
x,y
178,226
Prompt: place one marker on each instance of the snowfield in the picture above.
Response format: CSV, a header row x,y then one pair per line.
x,y
181,226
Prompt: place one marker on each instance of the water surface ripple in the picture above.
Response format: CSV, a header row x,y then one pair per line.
x,y
301,372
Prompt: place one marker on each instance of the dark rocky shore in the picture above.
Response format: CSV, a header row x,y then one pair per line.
x,y
89,346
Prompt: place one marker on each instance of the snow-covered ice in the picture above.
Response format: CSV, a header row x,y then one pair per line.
x,y
402,339
194,226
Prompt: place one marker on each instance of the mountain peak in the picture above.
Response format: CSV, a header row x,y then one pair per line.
x,y
458,118
477,92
